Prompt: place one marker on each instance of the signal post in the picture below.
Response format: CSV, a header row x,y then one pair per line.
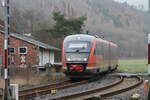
x,y
148,93
7,91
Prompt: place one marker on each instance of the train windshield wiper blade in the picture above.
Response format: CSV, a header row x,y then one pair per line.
x,y
78,50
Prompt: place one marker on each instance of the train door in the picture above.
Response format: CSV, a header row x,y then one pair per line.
x,y
107,55
98,54
103,55
113,50
115,57
110,55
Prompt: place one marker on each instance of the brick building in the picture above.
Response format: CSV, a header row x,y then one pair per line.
x,y
26,51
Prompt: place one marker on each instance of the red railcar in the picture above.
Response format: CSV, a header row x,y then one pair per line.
x,y
85,55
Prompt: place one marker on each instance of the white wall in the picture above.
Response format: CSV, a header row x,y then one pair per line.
x,y
52,57
40,58
45,56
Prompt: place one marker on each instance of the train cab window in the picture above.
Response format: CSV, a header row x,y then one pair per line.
x,y
80,46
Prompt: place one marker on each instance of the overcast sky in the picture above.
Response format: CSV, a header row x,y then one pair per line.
x,y
136,2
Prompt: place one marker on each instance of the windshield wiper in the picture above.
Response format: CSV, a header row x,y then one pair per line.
x,y
77,50
83,47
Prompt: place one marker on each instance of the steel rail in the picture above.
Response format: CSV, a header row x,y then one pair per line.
x,y
109,94
119,91
74,95
40,87
38,92
36,88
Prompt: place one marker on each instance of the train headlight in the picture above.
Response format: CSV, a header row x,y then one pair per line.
x,y
68,59
85,59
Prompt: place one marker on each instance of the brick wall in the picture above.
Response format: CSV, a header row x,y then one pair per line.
x,y
32,52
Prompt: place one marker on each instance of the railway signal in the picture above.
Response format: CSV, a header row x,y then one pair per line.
x,y
7,92
148,95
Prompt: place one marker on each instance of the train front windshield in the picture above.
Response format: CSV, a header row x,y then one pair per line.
x,y
77,51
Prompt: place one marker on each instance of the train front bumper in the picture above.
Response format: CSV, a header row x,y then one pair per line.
x,y
85,74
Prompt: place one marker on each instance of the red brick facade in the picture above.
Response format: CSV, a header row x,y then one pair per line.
x,y
32,52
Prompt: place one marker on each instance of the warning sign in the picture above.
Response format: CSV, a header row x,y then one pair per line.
x,y
23,59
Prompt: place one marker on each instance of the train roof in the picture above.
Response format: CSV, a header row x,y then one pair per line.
x,y
85,37
79,37
111,43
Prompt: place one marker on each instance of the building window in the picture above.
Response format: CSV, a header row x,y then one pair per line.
x,y
23,50
11,50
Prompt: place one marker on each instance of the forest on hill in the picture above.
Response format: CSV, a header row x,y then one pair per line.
x,y
117,22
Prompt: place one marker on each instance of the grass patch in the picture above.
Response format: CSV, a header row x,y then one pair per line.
x,y
133,65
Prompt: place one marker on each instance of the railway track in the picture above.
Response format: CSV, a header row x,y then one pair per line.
x,y
46,89
125,86
122,85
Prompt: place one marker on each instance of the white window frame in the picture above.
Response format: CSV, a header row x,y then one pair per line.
x,y
12,52
23,47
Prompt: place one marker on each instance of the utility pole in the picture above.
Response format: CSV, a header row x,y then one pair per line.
x,y
7,92
148,93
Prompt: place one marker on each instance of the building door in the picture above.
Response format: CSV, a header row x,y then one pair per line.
x,y
46,57
40,58
52,57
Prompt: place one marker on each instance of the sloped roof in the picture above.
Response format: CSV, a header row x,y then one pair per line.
x,y
32,41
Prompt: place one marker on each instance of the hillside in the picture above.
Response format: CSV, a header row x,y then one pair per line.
x,y
120,23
